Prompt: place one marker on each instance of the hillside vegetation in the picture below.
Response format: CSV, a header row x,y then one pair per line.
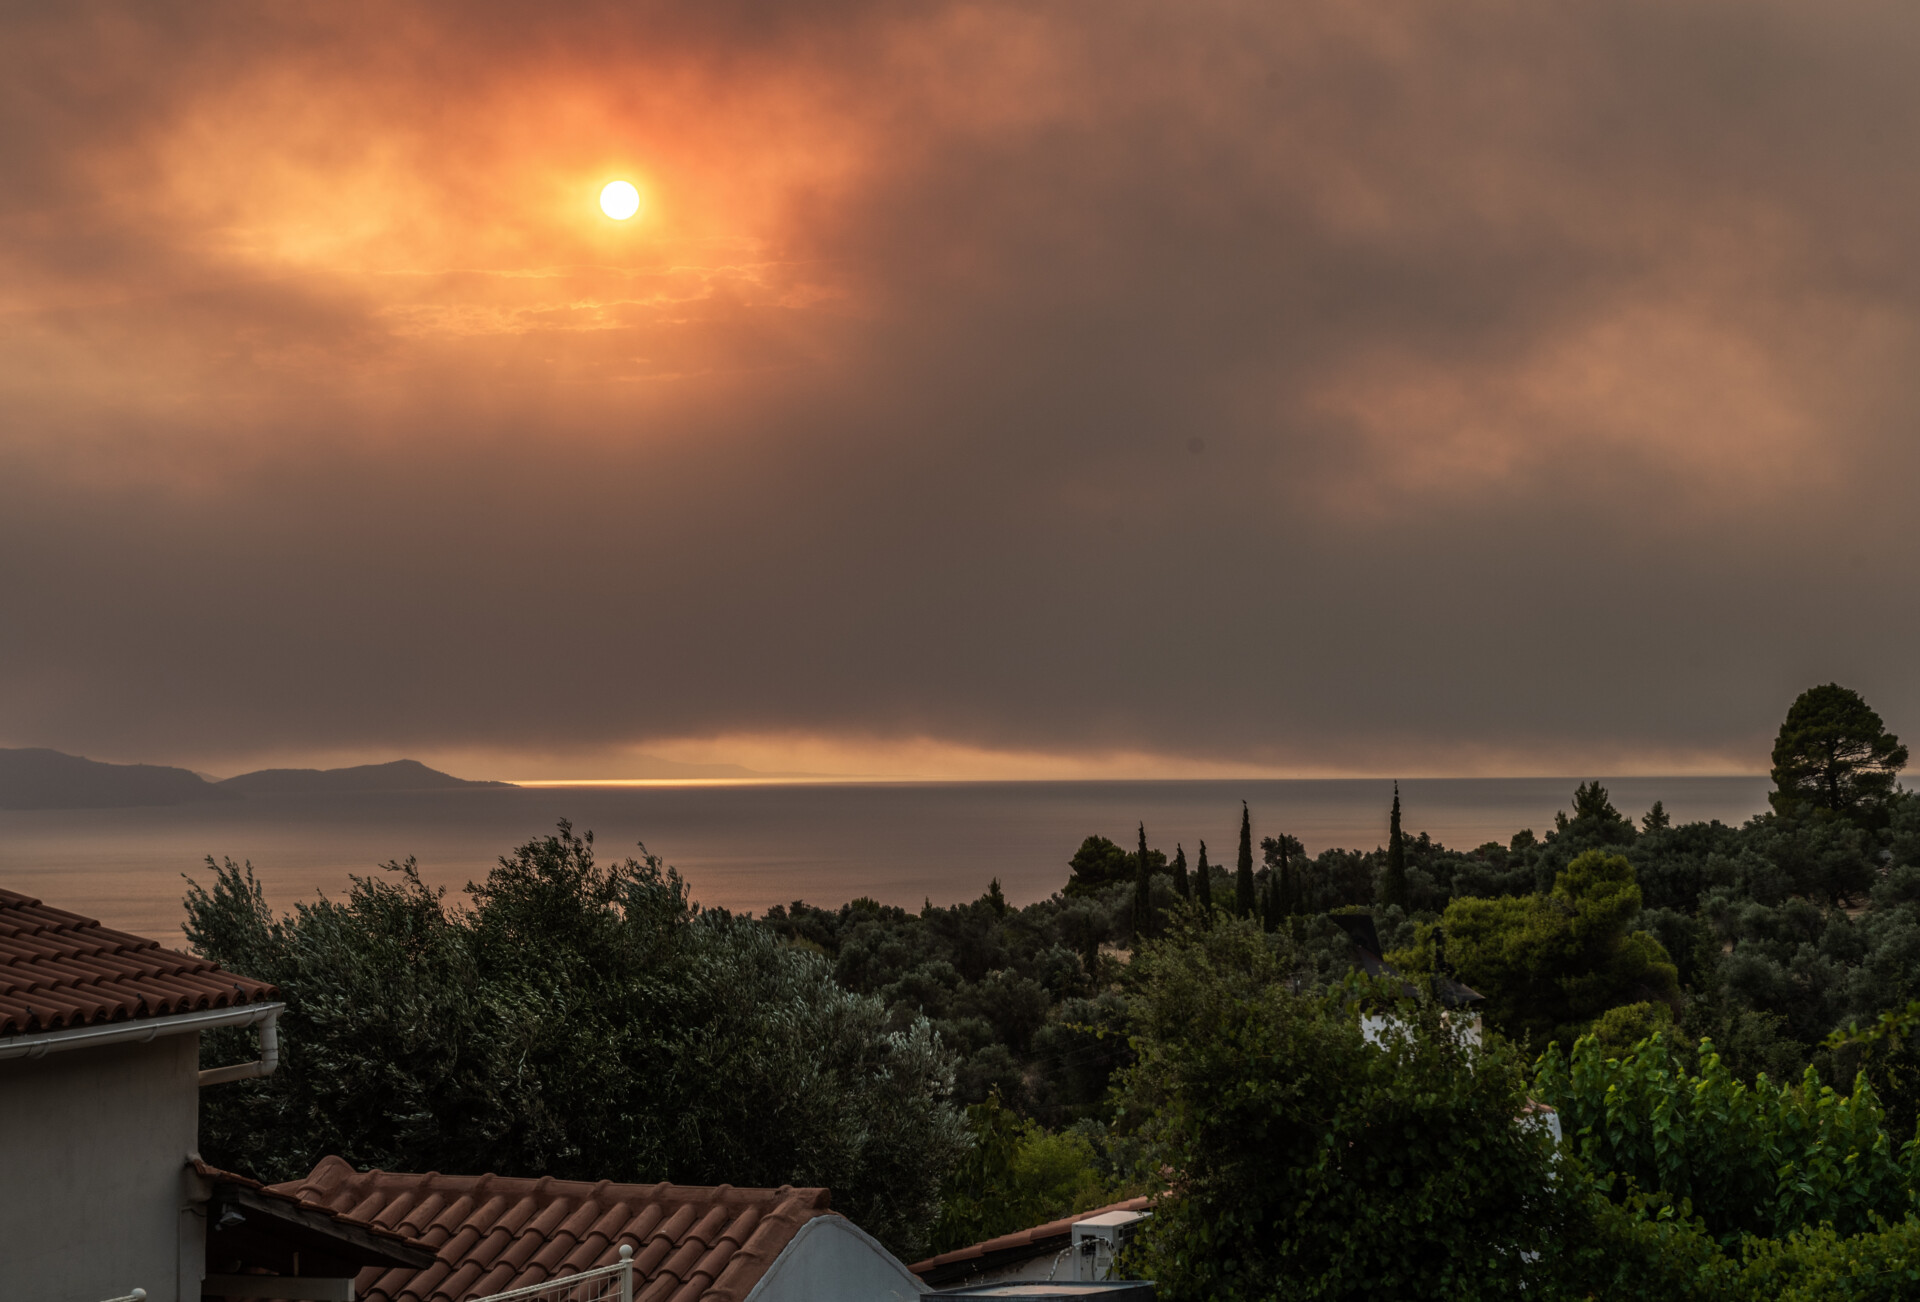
x,y
1723,1016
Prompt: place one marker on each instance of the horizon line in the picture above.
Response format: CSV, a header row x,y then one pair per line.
x,y
856,779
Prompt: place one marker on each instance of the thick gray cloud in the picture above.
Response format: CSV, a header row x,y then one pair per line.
x,y
1474,387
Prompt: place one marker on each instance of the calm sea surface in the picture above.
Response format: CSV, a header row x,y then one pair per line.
x,y
749,846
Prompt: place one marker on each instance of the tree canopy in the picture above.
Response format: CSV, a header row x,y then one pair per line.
x,y
1550,964
586,1019
1312,1163
1835,755
1750,1157
580,1020
1096,864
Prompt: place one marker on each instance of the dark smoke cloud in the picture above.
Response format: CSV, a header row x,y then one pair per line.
x,y
1398,387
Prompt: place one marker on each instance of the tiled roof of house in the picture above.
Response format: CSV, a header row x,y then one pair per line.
x,y
60,970
1021,1245
399,1245
494,1233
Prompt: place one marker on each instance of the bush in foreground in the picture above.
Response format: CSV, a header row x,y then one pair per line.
x,y
580,1020
1306,1162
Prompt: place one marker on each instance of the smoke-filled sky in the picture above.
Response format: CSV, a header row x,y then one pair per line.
x,y
1087,387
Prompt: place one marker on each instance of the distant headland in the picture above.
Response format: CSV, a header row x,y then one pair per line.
x,y
37,778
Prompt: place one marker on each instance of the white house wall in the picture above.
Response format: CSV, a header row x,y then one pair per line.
x,y
93,1180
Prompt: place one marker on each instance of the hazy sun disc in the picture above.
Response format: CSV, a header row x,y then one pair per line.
x,y
619,200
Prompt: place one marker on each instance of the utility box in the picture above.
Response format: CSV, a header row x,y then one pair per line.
x,y
1097,1242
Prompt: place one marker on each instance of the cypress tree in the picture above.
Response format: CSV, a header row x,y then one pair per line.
x,y
1180,882
1203,885
1243,874
1394,887
1143,892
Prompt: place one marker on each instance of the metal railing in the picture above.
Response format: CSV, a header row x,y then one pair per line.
x,y
601,1284
138,1295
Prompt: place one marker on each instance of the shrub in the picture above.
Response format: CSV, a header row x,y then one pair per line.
x,y
579,1020
1305,1162
1760,1159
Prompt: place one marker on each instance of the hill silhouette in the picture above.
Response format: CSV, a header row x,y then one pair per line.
x,y
397,775
37,778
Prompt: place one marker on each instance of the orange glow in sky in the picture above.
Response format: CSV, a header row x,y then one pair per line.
x,y
976,388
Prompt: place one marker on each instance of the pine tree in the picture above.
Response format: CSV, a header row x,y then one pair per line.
x,y
1180,880
1243,875
1289,893
1270,903
1834,754
1203,885
1143,892
1394,886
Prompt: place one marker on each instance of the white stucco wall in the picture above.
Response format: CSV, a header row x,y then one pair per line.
x,y
93,1147
833,1260
1375,1028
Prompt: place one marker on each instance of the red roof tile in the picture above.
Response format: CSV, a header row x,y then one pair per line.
x,y
60,970
1020,1244
494,1233
214,1175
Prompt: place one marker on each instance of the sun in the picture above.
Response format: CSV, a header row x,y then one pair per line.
x,y
619,200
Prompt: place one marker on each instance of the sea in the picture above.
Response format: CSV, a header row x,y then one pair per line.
x,y
748,845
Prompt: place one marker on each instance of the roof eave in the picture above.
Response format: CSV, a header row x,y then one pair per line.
x,y
366,1245
135,1029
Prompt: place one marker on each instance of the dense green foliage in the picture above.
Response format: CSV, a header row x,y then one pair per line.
x,y
1195,1031
1550,964
1750,1158
1706,1187
1306,1162
1018,1175
578,1020
1642,1250
1311,1164
1025,997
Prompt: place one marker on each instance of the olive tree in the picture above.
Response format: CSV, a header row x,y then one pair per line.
x,y
575,1019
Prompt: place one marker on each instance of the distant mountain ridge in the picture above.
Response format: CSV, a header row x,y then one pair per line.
x,y
38,778
396,775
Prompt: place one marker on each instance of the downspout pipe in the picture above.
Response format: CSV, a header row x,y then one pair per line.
x,y
269,1060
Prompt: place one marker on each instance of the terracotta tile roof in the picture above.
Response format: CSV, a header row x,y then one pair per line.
x,y
402,1245
59,970
493,1233
1021,1245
